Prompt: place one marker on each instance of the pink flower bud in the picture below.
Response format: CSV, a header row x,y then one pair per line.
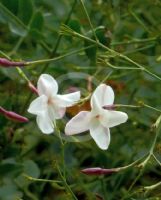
x,y
33,88
8,63
13,116
99,171
109,107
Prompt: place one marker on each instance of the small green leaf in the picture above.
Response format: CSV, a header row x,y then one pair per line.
x,y
91,52
25,10
103,35
15,25
9,192
75,25
11,5
8,169
31,168
36,26
37,21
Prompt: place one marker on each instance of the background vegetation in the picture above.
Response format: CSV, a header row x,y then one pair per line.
x,y
33,30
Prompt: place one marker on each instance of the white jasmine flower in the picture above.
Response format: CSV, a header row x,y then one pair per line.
x,y
98,120
50,105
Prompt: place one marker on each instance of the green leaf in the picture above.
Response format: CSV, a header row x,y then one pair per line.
x,y
36,26
103,35
9,192
75,25
11,5
37,21
25,10
91,52
15,25
31,168
36,35
10,169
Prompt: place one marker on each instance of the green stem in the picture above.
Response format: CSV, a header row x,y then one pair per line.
x,y
156,159
12,16
126,68
138,20
62,147
147,106
68,31
152,187
138,106
68,189
156,137
144,163
22,74
66,22
51,54
89,20
106,77
135,163
40,180
153,39
16,47
104,190
132,184
57,58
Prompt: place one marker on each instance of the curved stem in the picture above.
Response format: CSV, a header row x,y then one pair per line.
x,y
152,187
67,31
89,20
156,159
66,184
145,162
40,180
152,39
57,58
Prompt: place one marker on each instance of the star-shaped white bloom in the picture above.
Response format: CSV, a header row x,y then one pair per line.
x,y
50,105
98,120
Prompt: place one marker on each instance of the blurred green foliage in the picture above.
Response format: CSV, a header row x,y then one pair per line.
x,y
30,31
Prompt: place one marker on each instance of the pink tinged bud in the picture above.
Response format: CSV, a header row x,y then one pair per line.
x,y
99,171
33,88
8,63
13,116
109,107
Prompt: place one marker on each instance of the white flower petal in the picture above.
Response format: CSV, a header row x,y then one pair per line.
x,y
100,134
78,123
67,100
38,106
56,112
111,118
96,108
47,85
44,123
103,95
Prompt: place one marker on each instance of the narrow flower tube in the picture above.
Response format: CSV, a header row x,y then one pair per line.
x,y
109,107
33,88
8,63
99,171
13,116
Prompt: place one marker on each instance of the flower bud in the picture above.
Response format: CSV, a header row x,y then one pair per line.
x,y
109,107
8,63
99,171
13,116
